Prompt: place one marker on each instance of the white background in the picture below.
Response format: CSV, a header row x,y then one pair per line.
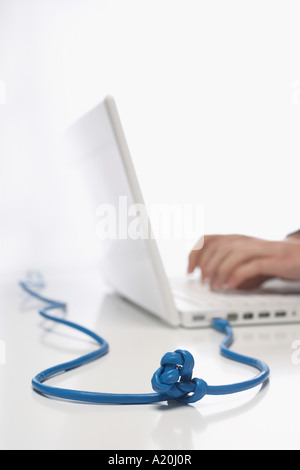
x,y
209,96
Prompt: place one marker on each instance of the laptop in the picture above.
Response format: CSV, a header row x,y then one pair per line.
x,y
129,257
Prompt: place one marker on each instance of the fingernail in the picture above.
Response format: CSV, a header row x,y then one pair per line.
x,y
215,284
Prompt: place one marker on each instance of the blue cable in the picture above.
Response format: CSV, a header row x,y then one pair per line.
x,y
172,381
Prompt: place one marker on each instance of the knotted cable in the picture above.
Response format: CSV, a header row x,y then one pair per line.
x,y
174,378
172,381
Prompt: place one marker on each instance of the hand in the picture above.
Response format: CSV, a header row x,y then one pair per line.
x,y
241,262
294,236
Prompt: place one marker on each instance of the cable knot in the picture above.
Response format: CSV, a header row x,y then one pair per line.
x,y
174,378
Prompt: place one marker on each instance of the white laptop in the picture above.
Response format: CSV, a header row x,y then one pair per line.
x,y
132,265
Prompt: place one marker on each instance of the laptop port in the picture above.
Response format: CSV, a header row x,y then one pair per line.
x,y
199,317
264,314
248,316
281,313
232,316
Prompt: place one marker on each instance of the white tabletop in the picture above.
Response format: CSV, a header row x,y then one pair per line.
x,y
265,418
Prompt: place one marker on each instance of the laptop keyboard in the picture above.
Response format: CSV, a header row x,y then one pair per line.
x,y
241,307
201,295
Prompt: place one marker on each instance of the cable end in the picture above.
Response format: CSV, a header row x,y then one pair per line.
x,y
221,324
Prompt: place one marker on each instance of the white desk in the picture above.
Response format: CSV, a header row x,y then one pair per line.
x,y
256,419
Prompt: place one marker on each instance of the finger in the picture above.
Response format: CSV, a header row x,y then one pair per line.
x,y
212,259
218,249
254,282
224,263
193,260
248,271
199,257
195,254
